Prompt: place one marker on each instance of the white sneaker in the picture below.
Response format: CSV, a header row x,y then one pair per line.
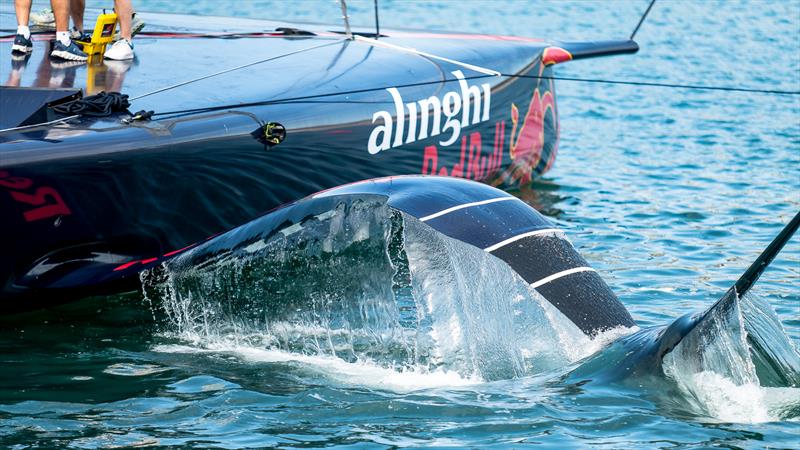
x,y
120,51
44,19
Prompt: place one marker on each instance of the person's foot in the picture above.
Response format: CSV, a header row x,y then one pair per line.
x,y
69,52
22,44
136,26
77,35
44,19
120,51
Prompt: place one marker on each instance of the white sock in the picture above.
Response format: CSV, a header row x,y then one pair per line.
x,y
24,31
63,37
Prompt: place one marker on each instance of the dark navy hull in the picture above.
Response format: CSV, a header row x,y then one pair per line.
x,y
83,199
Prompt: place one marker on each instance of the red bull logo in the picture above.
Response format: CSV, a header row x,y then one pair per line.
x,y
528,138
533,141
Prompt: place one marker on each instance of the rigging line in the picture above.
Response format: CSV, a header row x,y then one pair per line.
x,y
641,20
377,22
35,125
425,83
271,58
307,97
666,85
347,31
751,275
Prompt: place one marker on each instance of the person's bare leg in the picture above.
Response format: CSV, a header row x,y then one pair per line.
x,y
76,9
22,42
64,47
23,10
124,11
61,11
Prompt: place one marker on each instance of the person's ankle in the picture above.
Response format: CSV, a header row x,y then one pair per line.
x,y
24,31
63,37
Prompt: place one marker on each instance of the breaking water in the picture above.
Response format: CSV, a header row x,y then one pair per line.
x,y
391,335
405,298
412,304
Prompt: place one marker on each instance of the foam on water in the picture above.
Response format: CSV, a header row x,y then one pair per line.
x,y
334,369
133,370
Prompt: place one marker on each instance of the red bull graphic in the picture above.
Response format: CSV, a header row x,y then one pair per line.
x,y
532,142
473,163
527,140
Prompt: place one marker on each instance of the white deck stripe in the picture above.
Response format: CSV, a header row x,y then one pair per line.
x,y
558,275
494,247
465,205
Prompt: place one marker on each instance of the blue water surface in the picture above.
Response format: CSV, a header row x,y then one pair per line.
x,y
669,193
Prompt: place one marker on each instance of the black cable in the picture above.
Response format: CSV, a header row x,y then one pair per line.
x,y
666,85
423,83
755,270
377,23
641,20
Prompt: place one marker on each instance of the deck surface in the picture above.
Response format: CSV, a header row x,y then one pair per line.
x,y
276,65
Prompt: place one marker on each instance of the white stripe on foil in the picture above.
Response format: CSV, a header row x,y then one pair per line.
x,y
558,275
465,205
503,243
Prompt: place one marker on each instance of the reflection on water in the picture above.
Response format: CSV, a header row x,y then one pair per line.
x,y
101,74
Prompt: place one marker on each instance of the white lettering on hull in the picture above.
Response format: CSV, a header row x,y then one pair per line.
x,y
457,107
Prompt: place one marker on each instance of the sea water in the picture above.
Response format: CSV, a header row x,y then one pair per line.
x,y
669,193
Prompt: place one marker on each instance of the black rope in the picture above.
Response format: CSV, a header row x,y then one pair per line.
x,y
755,270
424,83
667,85
98,105
751,275
641,20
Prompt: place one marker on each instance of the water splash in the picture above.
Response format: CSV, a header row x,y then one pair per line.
x,y
321,286
738,365
365,284
478,314
333,369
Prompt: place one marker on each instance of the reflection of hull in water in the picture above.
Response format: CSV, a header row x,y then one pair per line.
x,y
86,197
